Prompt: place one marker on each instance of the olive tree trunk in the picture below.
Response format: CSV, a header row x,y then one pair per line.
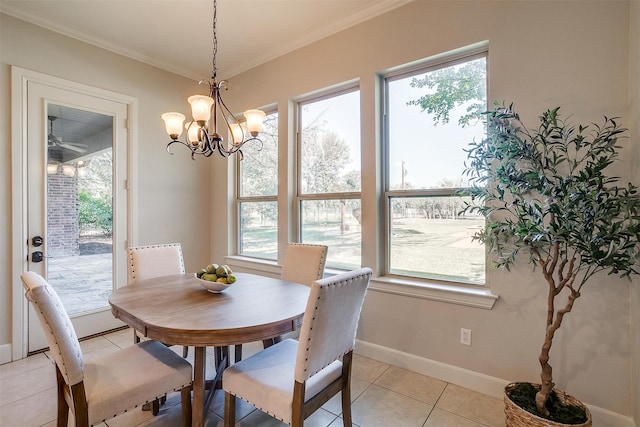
x,y
559,273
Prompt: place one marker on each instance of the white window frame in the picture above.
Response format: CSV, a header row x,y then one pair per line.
x,y
404,284
300,197
239,199
289,198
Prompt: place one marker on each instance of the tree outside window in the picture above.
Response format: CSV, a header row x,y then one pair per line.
x,y
257,194
433,113
329,175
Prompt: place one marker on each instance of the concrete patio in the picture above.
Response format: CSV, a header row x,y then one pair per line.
x,y
83,282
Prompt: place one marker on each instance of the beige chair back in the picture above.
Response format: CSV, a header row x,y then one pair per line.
x,y
330,321
147,262
61,336
303,263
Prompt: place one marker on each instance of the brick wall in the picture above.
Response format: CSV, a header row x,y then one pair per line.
x,y
62,216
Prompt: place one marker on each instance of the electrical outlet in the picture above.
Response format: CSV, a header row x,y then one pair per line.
x,y
465,336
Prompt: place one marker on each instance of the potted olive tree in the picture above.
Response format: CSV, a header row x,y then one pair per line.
x,y
548,200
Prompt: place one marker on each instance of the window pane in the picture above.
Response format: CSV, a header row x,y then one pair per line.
x,y
429,239
330,144
335,223
427,135
433,115
259,168
259,229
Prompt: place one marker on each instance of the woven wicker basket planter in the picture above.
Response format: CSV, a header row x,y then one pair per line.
x,y
518,417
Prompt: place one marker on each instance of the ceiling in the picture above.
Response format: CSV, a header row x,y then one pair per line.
x,y
76,134
176,35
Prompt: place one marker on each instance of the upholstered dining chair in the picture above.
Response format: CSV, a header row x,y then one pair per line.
x,y
102,386
292,379
303,263
148,262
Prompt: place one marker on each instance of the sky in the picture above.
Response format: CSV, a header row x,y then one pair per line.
x,y
431,153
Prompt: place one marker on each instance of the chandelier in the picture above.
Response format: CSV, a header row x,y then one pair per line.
x,y
202,136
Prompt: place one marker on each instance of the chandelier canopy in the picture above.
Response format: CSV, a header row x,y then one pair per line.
x,y
202,136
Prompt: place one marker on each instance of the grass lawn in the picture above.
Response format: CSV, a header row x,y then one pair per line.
x,y
435,248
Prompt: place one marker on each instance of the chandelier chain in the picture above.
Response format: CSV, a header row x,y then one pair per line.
x,y
214,69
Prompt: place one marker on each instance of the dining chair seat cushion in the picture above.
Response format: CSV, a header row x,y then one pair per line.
x,y
266,379
107,375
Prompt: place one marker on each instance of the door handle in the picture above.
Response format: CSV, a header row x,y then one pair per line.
x,y
36,256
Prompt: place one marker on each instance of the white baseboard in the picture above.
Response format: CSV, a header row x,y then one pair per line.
x,y
5,353
476,381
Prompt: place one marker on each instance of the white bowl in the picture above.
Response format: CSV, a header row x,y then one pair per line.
x,y
215,287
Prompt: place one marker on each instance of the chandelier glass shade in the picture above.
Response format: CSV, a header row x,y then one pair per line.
x,y
202,136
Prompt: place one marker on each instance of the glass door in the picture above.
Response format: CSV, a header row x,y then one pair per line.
x,y
79,207
77,214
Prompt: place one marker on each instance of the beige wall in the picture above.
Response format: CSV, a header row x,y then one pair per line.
x,y
541,54
172,192
634,97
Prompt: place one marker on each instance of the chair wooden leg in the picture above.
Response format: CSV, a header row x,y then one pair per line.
x,y
217,356
271,341
346,390
63,406
229,410
80,410
297,415
155,405
185,401
237,353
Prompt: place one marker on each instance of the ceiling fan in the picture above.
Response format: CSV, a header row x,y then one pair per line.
x,y
56,141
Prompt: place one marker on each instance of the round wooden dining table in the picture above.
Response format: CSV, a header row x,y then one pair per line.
x,y
177,310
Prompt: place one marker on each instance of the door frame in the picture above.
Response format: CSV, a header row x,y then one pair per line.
x,y
20,78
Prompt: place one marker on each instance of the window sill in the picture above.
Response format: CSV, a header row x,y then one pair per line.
x,y
253,265
479,298
470,297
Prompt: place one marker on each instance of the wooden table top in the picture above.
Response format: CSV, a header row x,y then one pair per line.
x,y
177,310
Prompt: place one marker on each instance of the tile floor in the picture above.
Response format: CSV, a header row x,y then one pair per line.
x,y
382,395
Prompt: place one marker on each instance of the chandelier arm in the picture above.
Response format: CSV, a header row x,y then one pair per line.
x,y
223,105
208,144
255,138
224,152
225,110
211,84
226,149
193,150
179,142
